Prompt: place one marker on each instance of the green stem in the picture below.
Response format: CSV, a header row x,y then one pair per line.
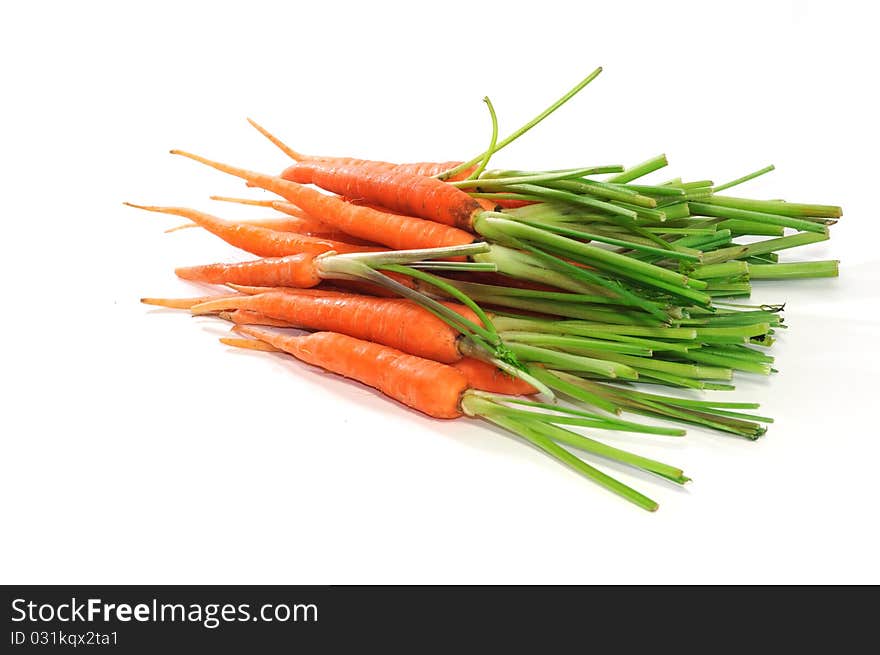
x,y
489,333
556,381
587,329
744,178
720,211
739,251
531,178
622,243
573,343
496,227
639,170
569,362
779,208
531,433
525,128
794,270
492,141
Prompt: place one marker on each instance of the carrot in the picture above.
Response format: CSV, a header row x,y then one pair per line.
x,y
258,240
295,271
393,230
393,322
479,375
291,271
400,190
252,290
487,377
424,168
428,386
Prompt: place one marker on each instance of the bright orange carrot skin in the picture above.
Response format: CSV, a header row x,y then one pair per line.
x,y
432,168
259,241
399,190
486,377
366,222
370,224
253,290
428,386
393,322
291,271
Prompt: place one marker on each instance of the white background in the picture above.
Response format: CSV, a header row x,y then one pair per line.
x,y
137,449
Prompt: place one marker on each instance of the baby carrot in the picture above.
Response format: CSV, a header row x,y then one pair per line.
x,y
298,271
394,322
291,271
400,190
480,375
425,385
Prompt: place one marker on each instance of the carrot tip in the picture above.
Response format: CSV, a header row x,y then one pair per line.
x,y
180,227
149,208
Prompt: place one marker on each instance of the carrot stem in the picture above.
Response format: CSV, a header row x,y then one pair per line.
x,y
530,431
492,142
532,178
744,178
639,170
525,128
451,290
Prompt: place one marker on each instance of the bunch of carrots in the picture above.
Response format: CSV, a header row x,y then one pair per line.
x,y
538,301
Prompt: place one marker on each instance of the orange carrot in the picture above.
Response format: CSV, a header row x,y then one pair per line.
x,y
479,375
291,271
428,386
487,377
258,240
393,230
252,290
393,322
298,271
424,168
400,190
